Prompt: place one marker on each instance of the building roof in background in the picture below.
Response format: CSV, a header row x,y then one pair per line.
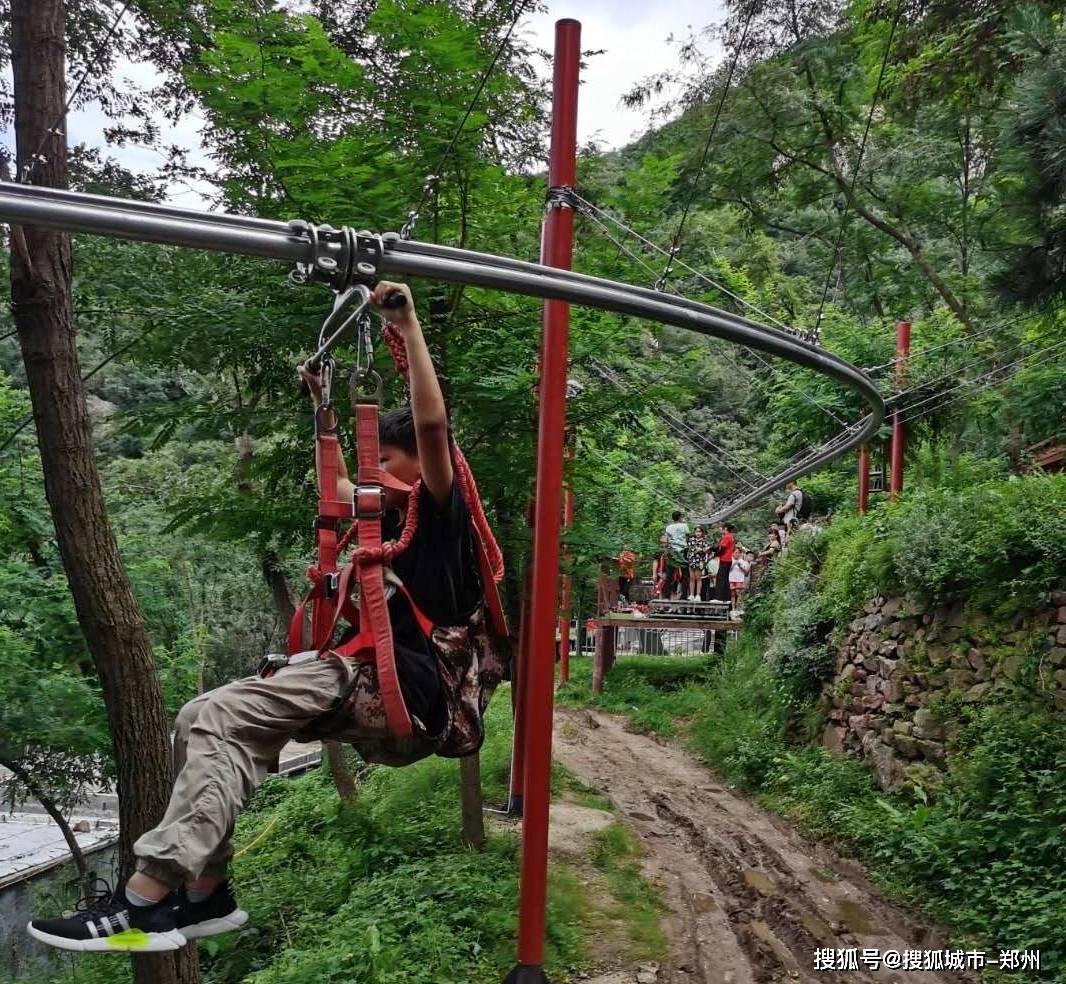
x,y
30,843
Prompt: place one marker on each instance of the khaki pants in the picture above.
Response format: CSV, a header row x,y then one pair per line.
x,y
224,742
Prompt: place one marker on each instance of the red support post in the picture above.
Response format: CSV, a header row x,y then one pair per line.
x,y
564,605
864,480
519,687
899,434
557,251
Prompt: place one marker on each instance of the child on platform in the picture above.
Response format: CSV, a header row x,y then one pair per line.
x,y
738,579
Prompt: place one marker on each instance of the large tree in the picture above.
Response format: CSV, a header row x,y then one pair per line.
x,y
108,613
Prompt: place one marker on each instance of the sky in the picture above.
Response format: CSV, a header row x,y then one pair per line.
x,y
634,34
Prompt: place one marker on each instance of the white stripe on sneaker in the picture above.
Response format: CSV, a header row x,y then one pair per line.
x,y
121,916
135,942
212,927
93,929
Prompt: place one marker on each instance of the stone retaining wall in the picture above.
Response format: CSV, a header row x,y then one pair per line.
x,y
902,673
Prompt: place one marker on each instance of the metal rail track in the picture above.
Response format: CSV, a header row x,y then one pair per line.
x,y
339,256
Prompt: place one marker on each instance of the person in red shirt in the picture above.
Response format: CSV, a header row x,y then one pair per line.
x,y
724,552
627,570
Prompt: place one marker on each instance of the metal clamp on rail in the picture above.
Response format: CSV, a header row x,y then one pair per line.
x,y
561,196
339,257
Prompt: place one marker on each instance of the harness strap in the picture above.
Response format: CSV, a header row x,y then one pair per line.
x,y
322,574
493,604
330,593
361,646
327,456
374,611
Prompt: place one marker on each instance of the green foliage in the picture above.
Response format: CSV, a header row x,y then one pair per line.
x,y
795,646
988,852
993,542
661,693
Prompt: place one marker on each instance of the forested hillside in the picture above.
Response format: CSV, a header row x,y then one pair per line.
x,y
862,163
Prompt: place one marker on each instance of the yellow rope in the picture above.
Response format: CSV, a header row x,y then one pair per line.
x,y
258,837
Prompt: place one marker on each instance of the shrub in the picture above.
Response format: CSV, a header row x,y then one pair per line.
x,y
998,544
1000,537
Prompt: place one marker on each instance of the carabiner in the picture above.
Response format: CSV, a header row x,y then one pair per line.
x,y
340,304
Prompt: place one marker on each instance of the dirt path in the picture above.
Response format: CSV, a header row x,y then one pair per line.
x,y
750,899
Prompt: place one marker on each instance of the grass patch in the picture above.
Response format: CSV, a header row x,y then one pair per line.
x,y
385,893
659,694
577,792
636,903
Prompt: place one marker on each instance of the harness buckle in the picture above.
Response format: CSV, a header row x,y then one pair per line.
x,y
369,501
330,583
365,386
270,664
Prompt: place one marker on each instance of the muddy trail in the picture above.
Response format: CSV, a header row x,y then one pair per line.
x,y
750,899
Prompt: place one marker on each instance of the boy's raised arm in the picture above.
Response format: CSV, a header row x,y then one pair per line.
x,y
427,400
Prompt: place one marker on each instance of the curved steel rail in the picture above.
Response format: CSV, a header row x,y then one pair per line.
x,y
270,239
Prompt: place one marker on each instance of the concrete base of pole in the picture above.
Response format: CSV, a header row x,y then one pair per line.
x,y
526,974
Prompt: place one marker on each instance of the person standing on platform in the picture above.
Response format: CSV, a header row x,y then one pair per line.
x,y
738,578
697,556
627,571
675,539
726,544
790,511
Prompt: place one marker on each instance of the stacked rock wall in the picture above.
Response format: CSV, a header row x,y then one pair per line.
x,y
901,674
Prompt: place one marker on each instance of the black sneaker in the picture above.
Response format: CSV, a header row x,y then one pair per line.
x,y
218,913
104,922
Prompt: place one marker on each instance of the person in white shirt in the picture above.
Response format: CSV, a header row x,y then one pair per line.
x,y
738,578
675,539
789,510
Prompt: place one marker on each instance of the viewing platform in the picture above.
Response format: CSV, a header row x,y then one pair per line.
x,y
676,625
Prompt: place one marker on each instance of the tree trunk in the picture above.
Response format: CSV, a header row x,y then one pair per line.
x,y
473,802
270,564
109,616
341,772
56,814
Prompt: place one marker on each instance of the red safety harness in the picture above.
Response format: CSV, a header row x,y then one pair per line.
x,y
331,586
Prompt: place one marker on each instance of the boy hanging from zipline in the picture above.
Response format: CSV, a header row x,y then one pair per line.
x,y
225,740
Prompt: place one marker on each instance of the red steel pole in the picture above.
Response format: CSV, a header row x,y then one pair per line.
x,y
864,479
899,434
520,685
564,606
556,250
